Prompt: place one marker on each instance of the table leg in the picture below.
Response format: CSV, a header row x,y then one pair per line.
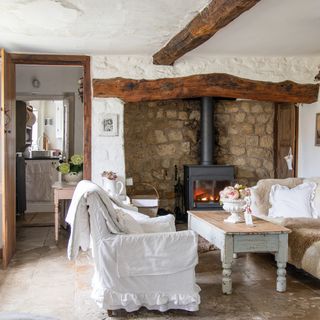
x,y
227,258
282,258
56,218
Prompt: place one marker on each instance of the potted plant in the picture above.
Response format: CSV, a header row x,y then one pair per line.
x,y
72,171
234,201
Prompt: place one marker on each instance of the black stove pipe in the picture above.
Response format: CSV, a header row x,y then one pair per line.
x,y
206,131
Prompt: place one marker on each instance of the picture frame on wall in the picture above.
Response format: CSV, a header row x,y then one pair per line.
x,y
317,140
109,126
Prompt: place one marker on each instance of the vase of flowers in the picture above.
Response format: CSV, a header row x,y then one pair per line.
x,y
110,183
72,171
234,200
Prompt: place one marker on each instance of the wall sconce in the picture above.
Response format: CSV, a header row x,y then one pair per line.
x,y
35,83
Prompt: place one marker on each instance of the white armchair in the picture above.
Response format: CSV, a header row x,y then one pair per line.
x,y
152,270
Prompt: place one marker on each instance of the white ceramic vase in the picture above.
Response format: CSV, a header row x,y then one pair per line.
x,y
73,177
113,187
235,207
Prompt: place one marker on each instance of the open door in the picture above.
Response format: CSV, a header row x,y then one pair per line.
x,y
286,137
8,158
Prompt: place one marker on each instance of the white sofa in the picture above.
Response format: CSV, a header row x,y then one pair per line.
x,y
304,240
152,270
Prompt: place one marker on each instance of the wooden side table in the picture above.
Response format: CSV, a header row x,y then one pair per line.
x,y
62,191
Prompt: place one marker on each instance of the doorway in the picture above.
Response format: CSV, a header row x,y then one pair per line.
x,y
9,166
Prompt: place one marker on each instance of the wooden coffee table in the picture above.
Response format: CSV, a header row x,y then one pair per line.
x,y
236,238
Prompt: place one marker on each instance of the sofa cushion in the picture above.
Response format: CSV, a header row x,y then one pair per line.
x,y
293,203
317,194
260,193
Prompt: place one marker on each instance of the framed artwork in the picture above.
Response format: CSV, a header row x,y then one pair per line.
x,y
109,125
318,129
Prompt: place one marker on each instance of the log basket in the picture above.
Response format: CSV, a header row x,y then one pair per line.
x,y
147,203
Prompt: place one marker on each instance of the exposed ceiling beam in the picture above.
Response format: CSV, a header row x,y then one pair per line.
x,y
210,20
214,85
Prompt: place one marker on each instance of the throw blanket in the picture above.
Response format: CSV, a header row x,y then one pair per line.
x,y
78,217
305,232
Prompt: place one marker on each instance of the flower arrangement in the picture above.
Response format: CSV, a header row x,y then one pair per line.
x,y
109,175
238,192
73,166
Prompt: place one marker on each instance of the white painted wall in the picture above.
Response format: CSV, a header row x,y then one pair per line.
x,y
108,152
309,154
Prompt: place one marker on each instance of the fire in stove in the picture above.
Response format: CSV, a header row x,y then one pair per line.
x,y
203,196
206,191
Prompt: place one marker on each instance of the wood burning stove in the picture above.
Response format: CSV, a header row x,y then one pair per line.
x,y
202,183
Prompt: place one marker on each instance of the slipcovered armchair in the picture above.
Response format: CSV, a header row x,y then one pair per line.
x,y
139,261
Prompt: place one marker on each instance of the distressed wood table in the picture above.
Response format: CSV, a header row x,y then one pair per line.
x,y
231,239
61,191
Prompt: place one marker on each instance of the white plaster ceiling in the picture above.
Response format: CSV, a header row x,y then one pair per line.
x,y
272,27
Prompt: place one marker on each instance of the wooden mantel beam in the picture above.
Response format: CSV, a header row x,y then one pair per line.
x,y
210,20
212,85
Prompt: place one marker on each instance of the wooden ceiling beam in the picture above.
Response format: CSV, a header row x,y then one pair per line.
x,y
212,85
210,20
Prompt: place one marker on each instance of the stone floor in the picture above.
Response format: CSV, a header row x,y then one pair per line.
x,y
42,281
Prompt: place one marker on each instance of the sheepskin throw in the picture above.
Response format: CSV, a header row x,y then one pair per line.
x,y
304,241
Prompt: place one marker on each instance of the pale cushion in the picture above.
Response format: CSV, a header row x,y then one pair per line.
x,y
293,203
260,193
128,224
317,194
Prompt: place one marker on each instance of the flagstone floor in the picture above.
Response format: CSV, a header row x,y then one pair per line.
x,y
41,281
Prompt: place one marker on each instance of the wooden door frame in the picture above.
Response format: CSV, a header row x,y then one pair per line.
x,y
8,165
61,60
69,60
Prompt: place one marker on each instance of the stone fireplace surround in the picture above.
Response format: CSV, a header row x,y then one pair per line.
x,y
159,135
108,152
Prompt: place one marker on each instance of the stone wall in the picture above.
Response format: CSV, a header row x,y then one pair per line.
x,y
158,136
244,138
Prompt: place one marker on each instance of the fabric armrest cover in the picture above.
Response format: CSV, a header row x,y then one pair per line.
x,y
156,253
159,224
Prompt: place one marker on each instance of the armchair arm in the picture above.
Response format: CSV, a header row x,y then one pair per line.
x,y
159,224
156,253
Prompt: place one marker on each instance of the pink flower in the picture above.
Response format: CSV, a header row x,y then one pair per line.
x,y
233,194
